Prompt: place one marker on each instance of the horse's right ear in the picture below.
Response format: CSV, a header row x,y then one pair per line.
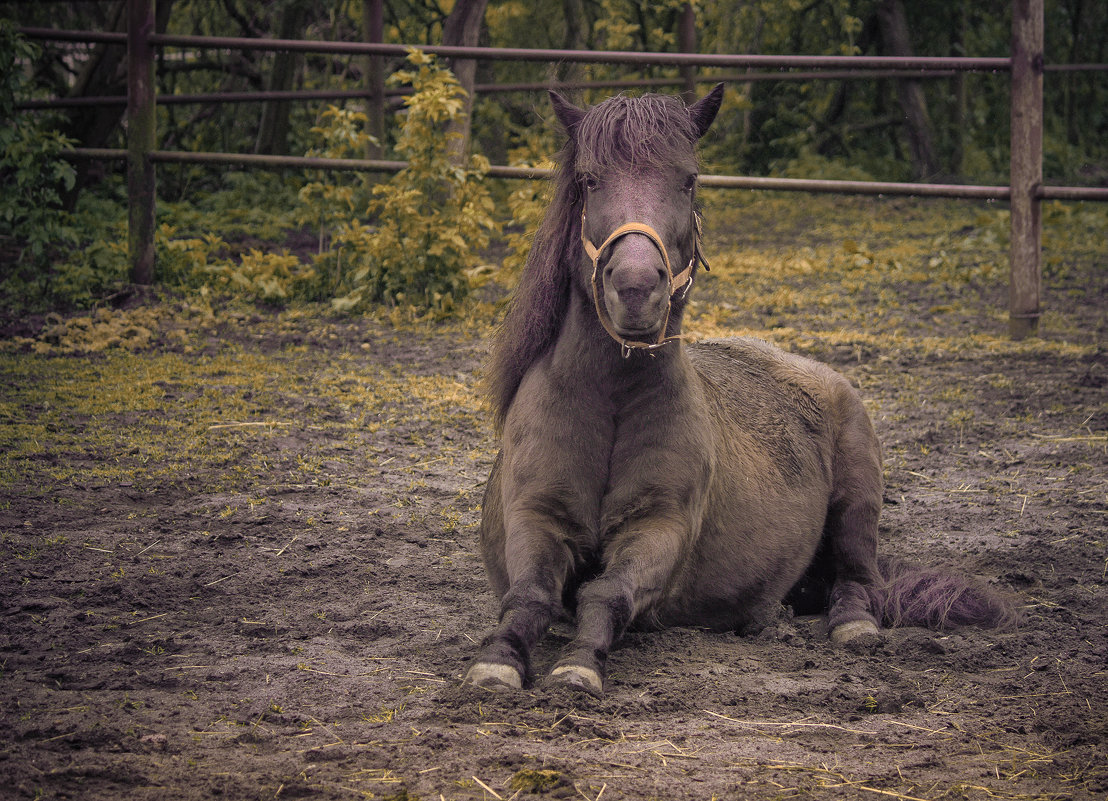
x,y
704,110
568,114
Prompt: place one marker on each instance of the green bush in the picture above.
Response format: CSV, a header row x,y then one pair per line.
x,y
270,277
431,219
333,199
33,171
409,243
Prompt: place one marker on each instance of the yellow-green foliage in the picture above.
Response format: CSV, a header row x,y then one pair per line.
x,y
185,259
273,277
825,266
408,243
432,218
332,198
528,206
535,781
98,331
266,276
141,415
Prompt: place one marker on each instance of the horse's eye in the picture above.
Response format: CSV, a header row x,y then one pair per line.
x,y
590,183
690,183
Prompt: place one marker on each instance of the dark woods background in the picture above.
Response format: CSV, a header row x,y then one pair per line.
x,y
950,128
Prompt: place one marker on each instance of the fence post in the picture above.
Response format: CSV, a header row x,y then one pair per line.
x,y
141,139
1025,249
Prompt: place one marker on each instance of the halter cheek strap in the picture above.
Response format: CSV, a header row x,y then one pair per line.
x,y
677,283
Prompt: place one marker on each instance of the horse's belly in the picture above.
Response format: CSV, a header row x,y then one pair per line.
x,y
745,561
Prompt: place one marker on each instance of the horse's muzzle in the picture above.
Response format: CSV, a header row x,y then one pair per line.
x,y
635,285
638,288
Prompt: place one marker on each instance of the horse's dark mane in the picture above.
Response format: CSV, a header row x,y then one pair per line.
x,y
542,295
619,134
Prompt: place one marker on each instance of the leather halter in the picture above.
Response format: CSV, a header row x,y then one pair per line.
x,y
681,282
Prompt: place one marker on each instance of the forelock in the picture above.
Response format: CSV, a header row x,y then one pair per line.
x,y
626,132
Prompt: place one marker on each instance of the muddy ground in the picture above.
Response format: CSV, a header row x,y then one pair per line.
x,y
240,562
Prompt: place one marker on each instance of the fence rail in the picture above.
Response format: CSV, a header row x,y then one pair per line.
x,y
957,191
909,63
1025,66
481,88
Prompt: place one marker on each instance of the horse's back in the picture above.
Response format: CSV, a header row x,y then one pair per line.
x,y
787,404
790,403
742,365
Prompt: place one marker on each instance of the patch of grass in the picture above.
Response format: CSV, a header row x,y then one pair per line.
x,y
890,268
133,417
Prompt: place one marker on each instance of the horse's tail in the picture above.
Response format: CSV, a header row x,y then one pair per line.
x,y
913,596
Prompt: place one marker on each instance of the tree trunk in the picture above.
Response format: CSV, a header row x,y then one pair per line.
x,y
576,38
373,30
104,74
917,123
273,131
463,28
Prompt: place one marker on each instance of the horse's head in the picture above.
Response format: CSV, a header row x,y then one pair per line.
x,y
635,166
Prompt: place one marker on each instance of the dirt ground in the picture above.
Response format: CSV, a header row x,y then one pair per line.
x,y
240,562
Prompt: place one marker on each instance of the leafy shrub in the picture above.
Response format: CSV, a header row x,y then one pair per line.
x,y
326,204
203,261
528,205
33,171
409,243
271,277
88,273
184,260
807,163
432,218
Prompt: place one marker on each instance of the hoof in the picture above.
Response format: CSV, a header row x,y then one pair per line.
x,y
492,676
853,630
582,678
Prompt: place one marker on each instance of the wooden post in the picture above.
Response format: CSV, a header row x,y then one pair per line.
x,y
1025,252
687,44
141,139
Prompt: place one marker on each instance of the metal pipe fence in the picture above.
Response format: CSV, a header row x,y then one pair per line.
x,y
397,93
1025,65
909,63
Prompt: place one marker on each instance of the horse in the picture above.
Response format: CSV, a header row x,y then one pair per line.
x,y
645,481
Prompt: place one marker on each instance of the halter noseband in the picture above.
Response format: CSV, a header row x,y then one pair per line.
x,y
680,282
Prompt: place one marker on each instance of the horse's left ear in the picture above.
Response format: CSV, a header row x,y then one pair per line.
x,y
568,114
704,110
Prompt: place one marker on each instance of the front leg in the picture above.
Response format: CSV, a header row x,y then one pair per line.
x,y
539,519
661,470
640,568
537,562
